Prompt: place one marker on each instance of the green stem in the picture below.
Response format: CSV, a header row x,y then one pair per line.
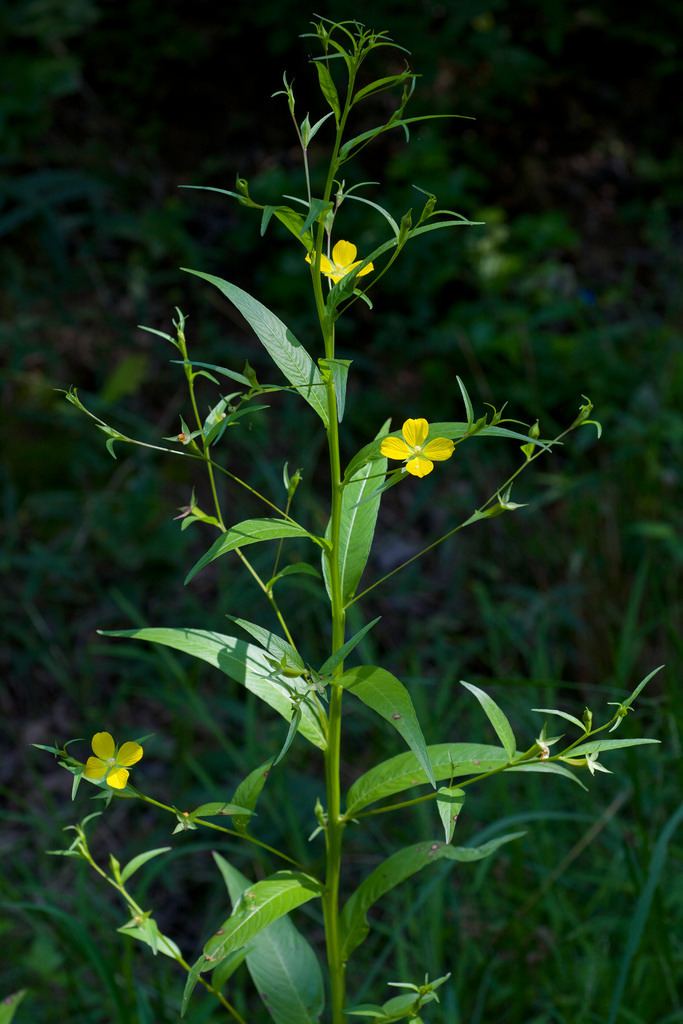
x,y
335,822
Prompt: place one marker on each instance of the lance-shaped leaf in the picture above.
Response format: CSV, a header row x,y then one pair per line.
x,y
275,645
335,659
453,431
396,869
358,521
142,858
246,663
248,792
385,694
284,349
10,1005
496,717
328,88
449,804
448,760
250,531
281,962
258,906
598,746
641,686
338,370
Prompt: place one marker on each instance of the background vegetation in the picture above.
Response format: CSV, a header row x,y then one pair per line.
x,y
572,286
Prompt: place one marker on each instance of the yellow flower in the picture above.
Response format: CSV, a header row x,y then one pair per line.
x,y
110,763
418,456
342,262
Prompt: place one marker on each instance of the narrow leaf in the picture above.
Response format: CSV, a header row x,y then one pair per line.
x,y
449,804
358,522
282,964
271,642
597,746
328,667
448,760
258,906
246,663
396,869
561,714
250,531
496,717
284,349
328,88
385,694
339,371
248,792
641,686
191,984
142,858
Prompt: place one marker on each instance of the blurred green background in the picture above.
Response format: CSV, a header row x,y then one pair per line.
x,y
572,286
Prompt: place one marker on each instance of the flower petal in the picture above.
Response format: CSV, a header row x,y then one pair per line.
x,y
325,266
130,753
344,253
415,432
118,778
367,269
439,449
95,769
103,745
394,448
419,466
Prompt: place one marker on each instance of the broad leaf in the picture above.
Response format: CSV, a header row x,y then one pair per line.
x,y
385,694
448,760
284,349
246,663
358,521
282,964
396,869
449,804
496,717
597,746
248,792
250,531
258,906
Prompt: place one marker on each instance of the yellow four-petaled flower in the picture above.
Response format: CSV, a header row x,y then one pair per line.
x,y
110,763
418,454
343,261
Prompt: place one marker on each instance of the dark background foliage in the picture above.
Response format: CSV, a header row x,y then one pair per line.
x,y
572,286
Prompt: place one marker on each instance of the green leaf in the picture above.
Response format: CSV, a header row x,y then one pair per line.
x,y
282,964
296,569
328,667
223,370
562,714
246,663
227,967
385,694
548,768
191,984
10,1005
149,934
258,906
248,792
328,88
338,369
250,531
142,858
358,522
468,402
271,642
641,686
452,430
449,804
496,717
396,869
448,760
284,349
597,746
217,808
